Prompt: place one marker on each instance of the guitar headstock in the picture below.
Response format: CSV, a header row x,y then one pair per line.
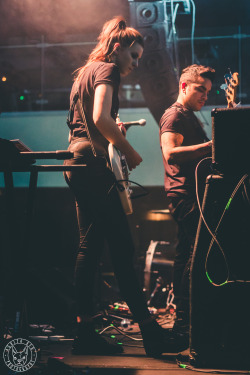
x,y
230,87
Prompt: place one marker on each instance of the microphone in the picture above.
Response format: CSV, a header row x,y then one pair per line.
x,y
141,122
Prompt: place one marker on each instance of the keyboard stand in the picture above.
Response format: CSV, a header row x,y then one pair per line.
x,y
21,276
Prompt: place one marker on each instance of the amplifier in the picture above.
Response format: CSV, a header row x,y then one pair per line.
x,y
220,279
231,135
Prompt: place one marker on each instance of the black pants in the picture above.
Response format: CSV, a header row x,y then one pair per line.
x,y
101,219
186,213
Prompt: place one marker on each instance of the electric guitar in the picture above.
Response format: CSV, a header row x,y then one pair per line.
x,y
230,87
120,170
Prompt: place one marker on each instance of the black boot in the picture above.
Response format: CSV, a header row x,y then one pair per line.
x,y
158,340
88,341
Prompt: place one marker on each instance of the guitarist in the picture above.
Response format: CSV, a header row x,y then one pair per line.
x,y
100,214
184,144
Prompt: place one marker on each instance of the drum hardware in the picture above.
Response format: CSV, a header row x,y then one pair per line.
x,y
159,215
158,272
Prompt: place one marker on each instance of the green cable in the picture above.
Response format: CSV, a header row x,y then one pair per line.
x,y
228,203
182,365
225,282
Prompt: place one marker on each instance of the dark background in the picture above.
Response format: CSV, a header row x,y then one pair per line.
x,y
42,43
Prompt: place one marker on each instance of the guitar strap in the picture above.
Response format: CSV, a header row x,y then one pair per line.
x,y
77,102
80,110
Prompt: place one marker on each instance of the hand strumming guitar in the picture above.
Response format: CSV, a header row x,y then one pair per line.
x,y
133,159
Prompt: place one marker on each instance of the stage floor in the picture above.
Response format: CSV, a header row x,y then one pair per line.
x,y
55,358
58,359
132,362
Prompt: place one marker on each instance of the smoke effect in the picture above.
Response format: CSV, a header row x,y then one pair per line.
x,y
56,18
36,67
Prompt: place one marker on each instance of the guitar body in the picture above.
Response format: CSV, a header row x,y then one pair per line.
x,y
120,170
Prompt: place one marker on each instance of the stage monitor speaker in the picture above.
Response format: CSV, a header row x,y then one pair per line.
x,y
156,73
145,13
220,279
231,134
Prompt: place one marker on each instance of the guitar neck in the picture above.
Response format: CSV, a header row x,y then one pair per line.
x,y
232,81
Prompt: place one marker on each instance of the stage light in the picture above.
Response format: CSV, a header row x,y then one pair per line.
x,y
21,97
4,79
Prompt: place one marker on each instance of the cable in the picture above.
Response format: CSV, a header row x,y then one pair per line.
x,y
170,299
120,331
198,200
214,234
173,15
146,192
216,231
129,336
245,195
193,30
173,32
212,371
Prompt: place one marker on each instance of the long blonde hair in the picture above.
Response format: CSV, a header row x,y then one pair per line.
x,y
113,31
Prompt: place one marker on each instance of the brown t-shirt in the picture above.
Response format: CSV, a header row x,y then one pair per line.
x,y
180,179
95,74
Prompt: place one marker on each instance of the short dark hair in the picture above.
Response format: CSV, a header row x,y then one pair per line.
x,y
192,72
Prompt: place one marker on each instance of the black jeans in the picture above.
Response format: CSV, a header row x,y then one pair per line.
x,y
186,213
101,219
